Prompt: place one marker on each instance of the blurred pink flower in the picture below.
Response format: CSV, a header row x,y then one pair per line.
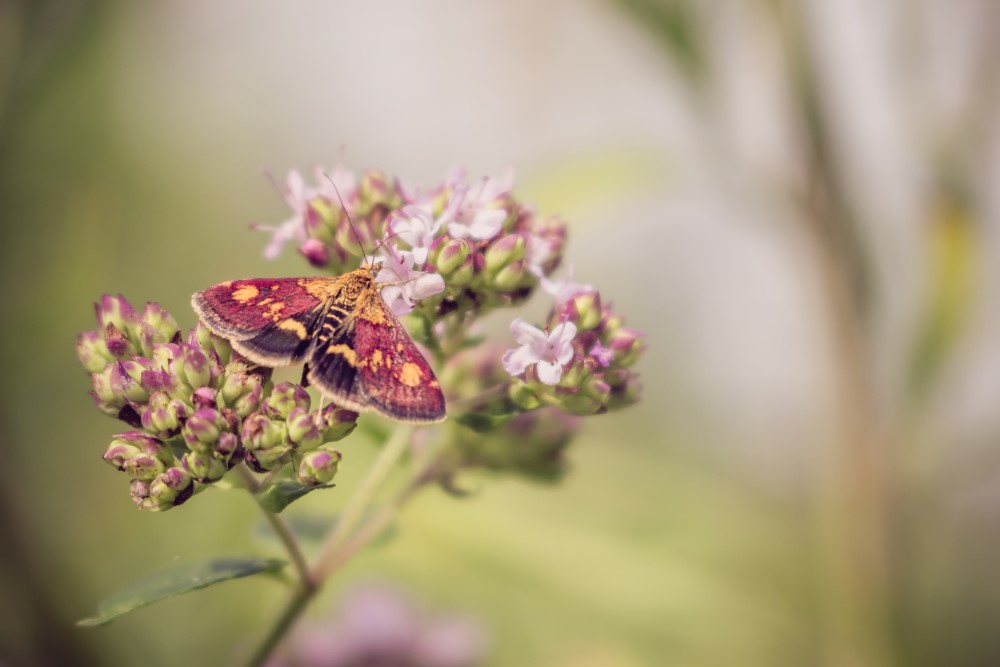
x,y
549,353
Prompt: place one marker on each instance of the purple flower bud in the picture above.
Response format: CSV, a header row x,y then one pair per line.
x,y
164,415
139,490
203,398
155,380
602,355
506,250
115,310
284,398
242,391
169,489
227,446
116,341
584,310
202,429
192,367
464,273
451,257
319,466
303,429
316,252
93,351
626,344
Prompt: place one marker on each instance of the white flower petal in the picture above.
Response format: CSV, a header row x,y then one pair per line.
x,y
419,254
487,223
549,372
425,286
525,334
517,361
562,334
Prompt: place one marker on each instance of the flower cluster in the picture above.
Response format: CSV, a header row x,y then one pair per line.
x,y
378,625
581,362
197,408
471,246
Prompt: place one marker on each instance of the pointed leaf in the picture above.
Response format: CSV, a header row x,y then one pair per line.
x,y
179,580
281,494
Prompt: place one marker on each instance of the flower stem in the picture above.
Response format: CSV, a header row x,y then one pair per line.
x,y
362,498
281,529
291,612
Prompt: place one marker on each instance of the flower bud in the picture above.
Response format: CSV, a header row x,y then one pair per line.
x,y
316,252
626,344
140,455
115,310
159,326
242,391
506,250
105,391
261,433
584,309
510,276
169,489
116,341
522,394
463,274
340,423
451,256
284,398
93,351
202,429
319,466
192,367
303,430
208,342
139,490
203,467
227,446
163,416
204,398
125,381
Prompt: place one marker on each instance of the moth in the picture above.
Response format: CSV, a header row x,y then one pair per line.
x,y
356,351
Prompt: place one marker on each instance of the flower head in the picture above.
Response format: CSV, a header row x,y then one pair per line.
x,y
549,353
417,227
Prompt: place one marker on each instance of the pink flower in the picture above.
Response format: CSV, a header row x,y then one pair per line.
x,y
297,196
405,285
548,353
478,215
416,226
343,182
565,289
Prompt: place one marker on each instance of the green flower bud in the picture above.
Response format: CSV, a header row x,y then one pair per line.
x,y
303,429
285,397
463,274
203,467
500,253
340,423
126,381
260,433
626,344
202,429
139,455
510,276
109,398
242,391
93,351
319,466
169,489
523,395
586,310
451,256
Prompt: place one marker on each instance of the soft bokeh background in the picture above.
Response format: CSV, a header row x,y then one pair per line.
x,y
798,201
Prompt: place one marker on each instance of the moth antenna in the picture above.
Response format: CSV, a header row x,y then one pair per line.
x,y
354,229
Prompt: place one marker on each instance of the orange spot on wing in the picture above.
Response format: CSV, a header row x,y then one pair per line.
x,y
410,374
245,294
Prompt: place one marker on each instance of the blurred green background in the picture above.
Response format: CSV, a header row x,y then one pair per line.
x,y
798,202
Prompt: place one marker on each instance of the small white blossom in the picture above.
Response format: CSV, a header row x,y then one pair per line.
x,y
564,289
549,353
476,215
416,226
406,284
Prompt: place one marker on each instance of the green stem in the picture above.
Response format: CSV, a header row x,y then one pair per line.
x,y
291,612
280,528
362,498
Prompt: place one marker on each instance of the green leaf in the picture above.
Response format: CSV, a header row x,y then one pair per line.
x,y
281,494
179,580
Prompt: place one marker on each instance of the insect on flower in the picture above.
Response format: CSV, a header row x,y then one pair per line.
x,y
356,352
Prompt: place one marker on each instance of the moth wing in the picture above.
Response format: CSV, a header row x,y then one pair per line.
x,y
269,321
370,361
